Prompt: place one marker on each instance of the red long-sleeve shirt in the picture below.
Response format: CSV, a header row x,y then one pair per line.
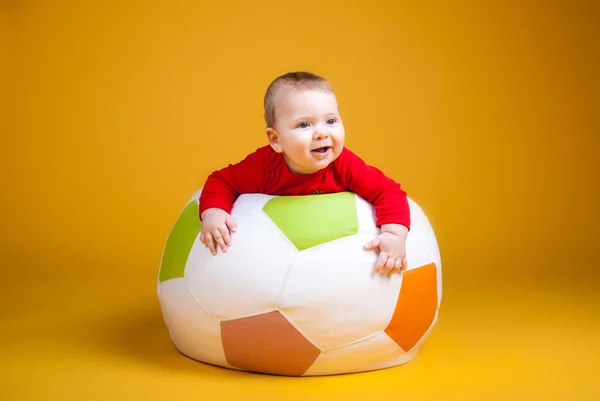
x,y
265,171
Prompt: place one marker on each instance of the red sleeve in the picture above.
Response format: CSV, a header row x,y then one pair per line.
x,y
223,186
386,195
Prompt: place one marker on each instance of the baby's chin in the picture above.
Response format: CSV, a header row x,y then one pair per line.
x,y
321,163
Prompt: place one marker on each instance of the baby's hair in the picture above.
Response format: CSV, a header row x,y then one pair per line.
x,y
291,80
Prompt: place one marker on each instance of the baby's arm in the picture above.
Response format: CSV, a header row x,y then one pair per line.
x,y
391,209
220,192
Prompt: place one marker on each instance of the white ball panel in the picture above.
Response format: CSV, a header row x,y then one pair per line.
x,y
248,278
419,240
378,352
421,244
366,218
194,332
332,295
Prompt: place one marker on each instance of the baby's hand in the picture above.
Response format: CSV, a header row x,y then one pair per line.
x,y
216,224
392,255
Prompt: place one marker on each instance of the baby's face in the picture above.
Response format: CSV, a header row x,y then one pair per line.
x,y
309,130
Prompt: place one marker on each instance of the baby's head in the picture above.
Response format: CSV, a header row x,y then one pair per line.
x,y
303,121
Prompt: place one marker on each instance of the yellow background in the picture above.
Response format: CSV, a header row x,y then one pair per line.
x,y
114,113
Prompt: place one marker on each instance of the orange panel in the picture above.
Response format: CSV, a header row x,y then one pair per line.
x,y
267,343
416,306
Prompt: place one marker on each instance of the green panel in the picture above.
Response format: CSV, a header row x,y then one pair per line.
x,y
179,244
312,220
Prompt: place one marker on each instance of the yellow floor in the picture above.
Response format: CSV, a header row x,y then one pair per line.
x,y
93,339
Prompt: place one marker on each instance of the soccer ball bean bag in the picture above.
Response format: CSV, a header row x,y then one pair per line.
x,y
295,294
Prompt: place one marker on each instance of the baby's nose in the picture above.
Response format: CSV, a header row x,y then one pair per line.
x,y
320,132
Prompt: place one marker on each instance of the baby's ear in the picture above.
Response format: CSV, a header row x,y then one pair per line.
x,y
273,139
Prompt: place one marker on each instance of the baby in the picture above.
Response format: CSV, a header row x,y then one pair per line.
x,y
306,155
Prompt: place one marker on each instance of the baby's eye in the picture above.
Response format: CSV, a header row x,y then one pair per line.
x,y
331,121
303,124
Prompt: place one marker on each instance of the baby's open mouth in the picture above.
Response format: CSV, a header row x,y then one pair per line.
x,y
321,150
